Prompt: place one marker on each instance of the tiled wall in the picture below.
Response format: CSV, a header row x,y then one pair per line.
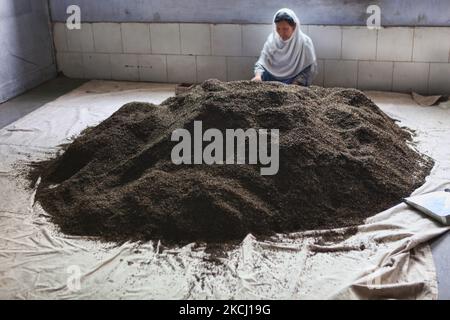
x,y
400,59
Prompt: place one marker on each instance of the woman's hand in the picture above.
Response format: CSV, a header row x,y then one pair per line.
x,y
257,77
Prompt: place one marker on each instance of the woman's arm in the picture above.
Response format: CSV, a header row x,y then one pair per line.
x,y
259,70
306,77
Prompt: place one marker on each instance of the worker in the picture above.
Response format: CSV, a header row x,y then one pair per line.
x,y
288,55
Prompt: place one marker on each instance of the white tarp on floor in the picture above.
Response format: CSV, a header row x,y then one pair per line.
x,y
389,257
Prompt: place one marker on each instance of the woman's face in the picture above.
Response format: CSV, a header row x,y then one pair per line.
x,y
285,30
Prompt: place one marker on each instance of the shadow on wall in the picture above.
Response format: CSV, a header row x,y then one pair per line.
x,y
26,57
316,12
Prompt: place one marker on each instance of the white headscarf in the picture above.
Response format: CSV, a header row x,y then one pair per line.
x,y
286,59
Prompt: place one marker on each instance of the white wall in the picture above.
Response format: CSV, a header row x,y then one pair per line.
x,y
400,59
26,51
316,12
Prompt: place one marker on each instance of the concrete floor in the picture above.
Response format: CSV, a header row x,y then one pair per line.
x,y
20,106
